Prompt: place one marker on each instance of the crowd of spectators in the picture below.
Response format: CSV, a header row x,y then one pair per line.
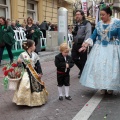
x,y
31,28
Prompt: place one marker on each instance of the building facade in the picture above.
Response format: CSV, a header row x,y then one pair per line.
x,y
39,10
116,6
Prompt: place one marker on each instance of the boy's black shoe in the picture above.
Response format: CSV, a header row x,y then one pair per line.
x,y
60,98
68,98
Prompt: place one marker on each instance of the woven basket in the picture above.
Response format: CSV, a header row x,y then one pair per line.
x,y
13,83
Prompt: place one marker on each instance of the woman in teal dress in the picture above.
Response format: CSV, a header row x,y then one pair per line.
x,y
102,69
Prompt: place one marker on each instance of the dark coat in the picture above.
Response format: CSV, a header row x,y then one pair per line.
x,y
44,25
60,63
29,29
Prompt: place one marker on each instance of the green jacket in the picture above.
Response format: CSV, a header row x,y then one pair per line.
x,y
37,34
7,35
18,25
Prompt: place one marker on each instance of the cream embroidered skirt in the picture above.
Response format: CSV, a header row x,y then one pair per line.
x,y
24,96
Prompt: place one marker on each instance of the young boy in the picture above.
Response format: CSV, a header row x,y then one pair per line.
x,y
63,62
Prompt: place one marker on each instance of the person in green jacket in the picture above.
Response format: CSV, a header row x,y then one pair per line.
x,y
6,39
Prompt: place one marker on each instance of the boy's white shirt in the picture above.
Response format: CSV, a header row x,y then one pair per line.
x,y
65,61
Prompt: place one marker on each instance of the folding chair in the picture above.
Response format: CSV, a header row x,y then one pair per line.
x,y
22,35
70,40
42,40
18,39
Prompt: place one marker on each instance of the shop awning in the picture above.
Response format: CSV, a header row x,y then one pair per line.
x,y
70,1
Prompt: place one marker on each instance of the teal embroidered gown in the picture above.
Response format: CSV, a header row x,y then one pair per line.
x,y
102,69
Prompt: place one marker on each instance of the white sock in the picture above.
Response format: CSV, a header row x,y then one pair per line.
x,y
60,91
66,91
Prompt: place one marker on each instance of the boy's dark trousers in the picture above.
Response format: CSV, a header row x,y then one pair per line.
x,y
63,79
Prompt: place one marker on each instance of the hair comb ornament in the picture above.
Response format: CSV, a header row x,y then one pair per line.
x,y
24,42
104,5
24,45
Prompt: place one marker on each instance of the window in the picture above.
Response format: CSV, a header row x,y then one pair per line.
x,y
5,8
2,12
3,2
111,1
32,9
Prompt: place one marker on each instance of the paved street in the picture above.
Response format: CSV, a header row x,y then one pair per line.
x,y
55,109
108,109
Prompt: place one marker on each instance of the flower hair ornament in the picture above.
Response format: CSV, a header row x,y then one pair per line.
x,y
99,7
104,5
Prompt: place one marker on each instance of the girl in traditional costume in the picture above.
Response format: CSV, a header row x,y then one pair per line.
x,y
31,90
102,69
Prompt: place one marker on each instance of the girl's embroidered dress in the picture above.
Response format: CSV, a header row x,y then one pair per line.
x,y
30,92
102,69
